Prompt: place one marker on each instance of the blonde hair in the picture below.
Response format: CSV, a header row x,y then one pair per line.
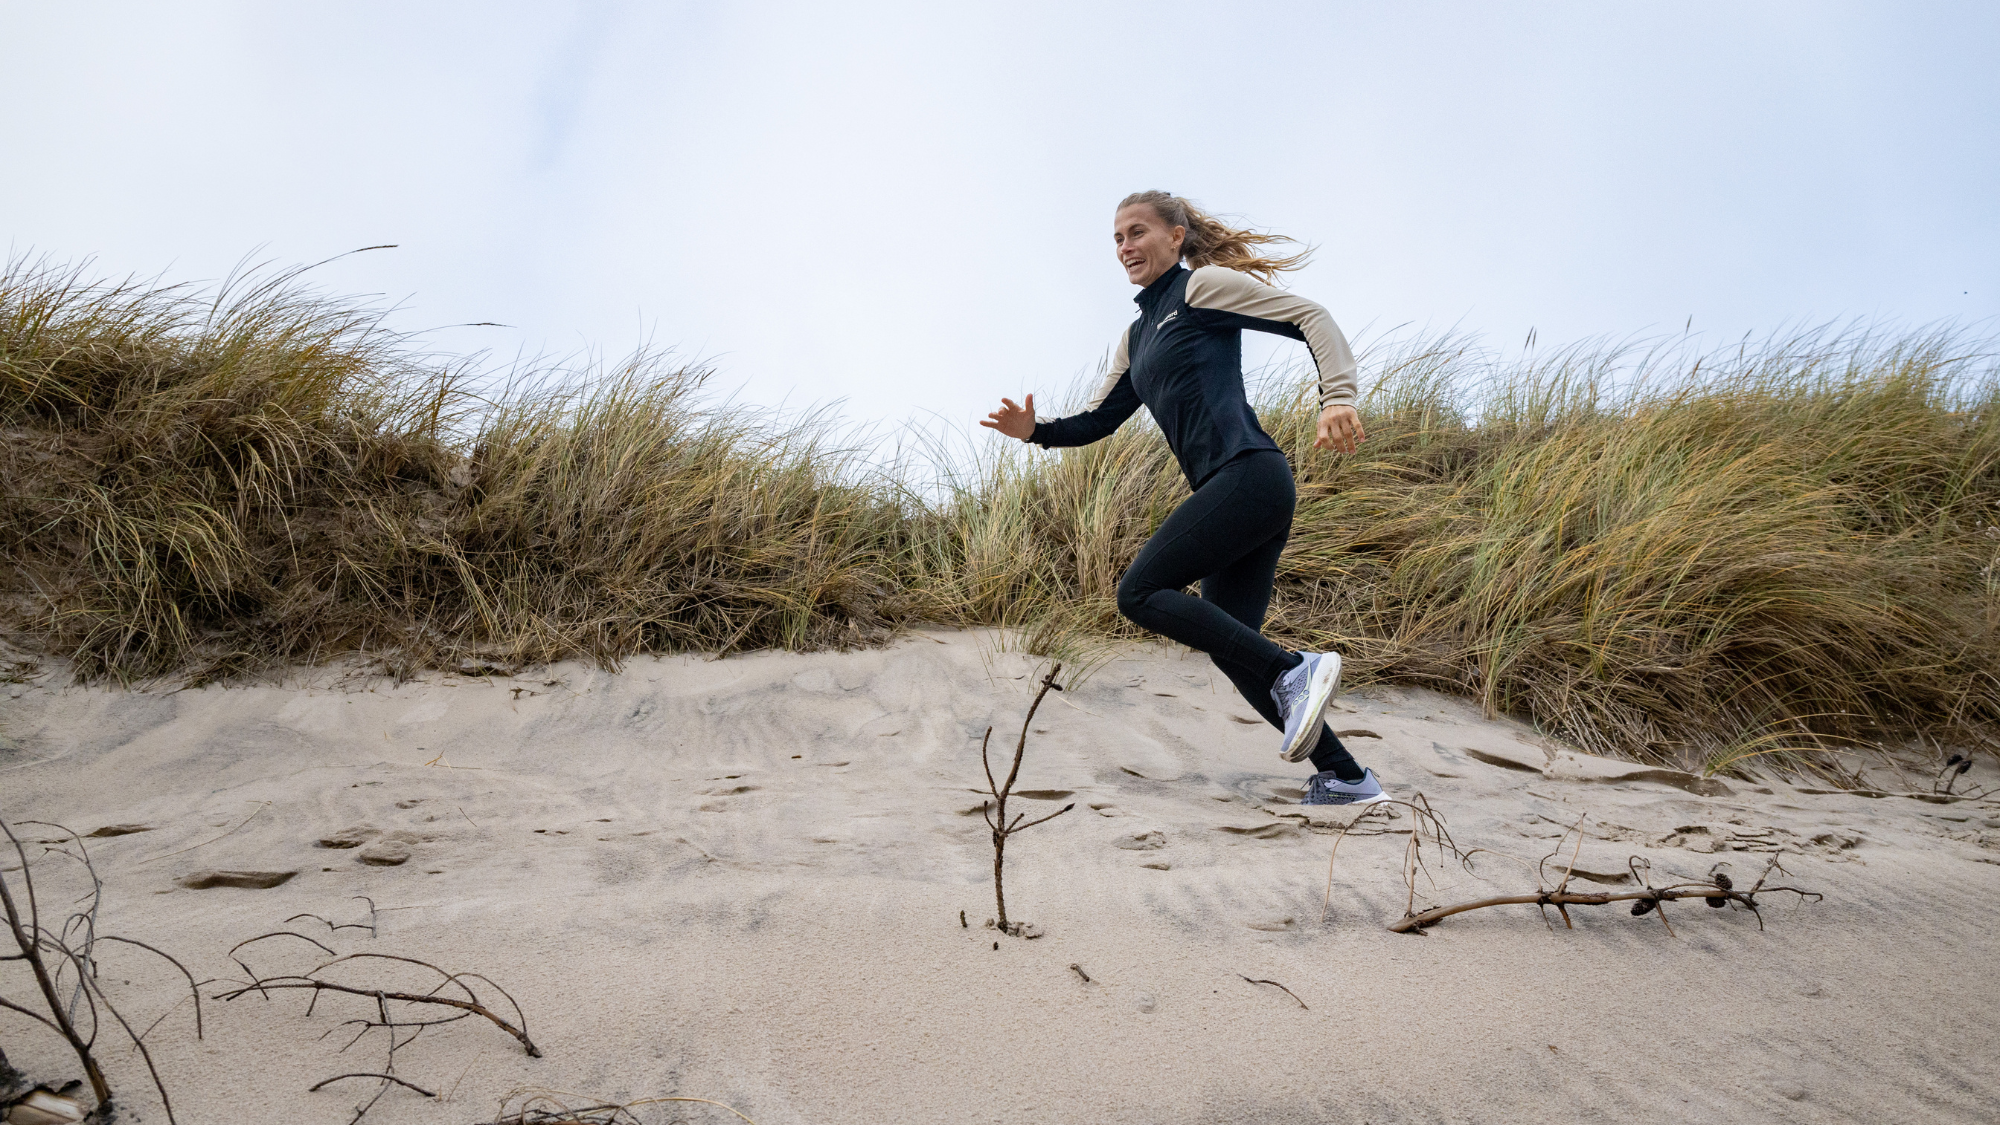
x,y
1210,243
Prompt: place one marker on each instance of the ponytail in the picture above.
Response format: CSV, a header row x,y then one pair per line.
x,y
1210,243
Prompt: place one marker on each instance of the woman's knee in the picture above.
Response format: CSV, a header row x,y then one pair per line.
x,y
1132,594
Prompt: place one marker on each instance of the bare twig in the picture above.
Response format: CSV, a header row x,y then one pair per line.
x,y
1427,818
275,933
1718,890
407,997
212,839
29,938
194,990
49,955
372,917
370,1074
1279,987
1327,904
995,812
394,1025
471,1005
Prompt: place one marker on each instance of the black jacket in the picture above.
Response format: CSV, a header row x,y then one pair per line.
x,y
1183,360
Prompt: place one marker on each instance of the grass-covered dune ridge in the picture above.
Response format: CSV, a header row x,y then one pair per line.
x,y
1778,550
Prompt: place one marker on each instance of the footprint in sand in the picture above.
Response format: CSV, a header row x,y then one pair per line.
x,y
1275,830
1149,840
248,880
718,803
352,836
378,849
392,850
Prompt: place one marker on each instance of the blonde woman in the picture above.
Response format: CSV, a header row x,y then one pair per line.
x,y
1182,359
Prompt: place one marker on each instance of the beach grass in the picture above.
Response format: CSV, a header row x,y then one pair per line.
x,y
1776,554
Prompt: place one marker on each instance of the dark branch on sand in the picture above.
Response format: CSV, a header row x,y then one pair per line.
x,y
1718,891
370,1074
475,1008
50,954
1279,987
995,811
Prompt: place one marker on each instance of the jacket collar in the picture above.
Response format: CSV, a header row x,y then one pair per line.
x,y
1150,295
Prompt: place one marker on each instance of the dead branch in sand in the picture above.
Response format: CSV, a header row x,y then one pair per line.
x,y
1954,768
995,811
471,1005
1426,818
402,1026
1279,987
553,1107
333,929
1718,891
54,955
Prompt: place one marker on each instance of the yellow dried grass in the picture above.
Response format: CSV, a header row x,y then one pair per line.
x,y
1697,559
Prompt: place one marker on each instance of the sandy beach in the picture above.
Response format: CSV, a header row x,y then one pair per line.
x,y
743,880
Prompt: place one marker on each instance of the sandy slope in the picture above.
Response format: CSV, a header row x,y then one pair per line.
x,y
742,880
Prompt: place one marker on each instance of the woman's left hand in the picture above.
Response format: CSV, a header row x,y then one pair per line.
x,y
1340,428
1017,422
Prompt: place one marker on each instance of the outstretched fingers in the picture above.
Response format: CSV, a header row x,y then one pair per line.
x,y
1339,428
1013,419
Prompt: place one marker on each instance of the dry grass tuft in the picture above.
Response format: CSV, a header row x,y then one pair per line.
x,y
1780,552
224,483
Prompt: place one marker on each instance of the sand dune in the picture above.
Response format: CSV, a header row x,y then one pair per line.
x,y
742,880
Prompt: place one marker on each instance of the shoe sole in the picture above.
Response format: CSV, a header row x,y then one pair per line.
x,y
1375,800
1319,696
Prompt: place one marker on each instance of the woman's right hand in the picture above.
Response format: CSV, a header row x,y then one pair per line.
x,y
1017,422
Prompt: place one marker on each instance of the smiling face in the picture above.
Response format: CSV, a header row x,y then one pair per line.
x,y
1147,246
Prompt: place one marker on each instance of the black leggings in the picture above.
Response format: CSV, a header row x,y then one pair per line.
x,y
1227,536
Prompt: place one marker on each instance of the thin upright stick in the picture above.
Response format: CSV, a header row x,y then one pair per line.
x,y
996,816
28,938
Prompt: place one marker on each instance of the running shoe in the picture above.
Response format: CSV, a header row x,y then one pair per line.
x,y
1327,789
1303,694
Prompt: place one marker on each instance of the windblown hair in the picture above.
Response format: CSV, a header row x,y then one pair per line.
x,y
1211,243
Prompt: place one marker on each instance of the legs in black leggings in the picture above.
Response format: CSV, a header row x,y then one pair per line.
x,y
1228,537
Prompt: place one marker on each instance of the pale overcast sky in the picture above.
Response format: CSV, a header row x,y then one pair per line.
x,y
907,205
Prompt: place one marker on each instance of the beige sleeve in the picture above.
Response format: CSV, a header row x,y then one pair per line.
x,y
1266,308
1121,360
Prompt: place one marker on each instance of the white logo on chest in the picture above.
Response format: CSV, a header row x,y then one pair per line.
x,y
1163,322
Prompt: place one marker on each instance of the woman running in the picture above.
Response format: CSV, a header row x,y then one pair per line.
x,y
1183,360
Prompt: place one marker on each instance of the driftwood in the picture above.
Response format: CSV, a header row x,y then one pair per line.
x,y
1718,890
400,1027
995,811
471,1005
55,956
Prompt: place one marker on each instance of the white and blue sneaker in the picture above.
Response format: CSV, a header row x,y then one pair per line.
x,y
1326,789
1303,694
